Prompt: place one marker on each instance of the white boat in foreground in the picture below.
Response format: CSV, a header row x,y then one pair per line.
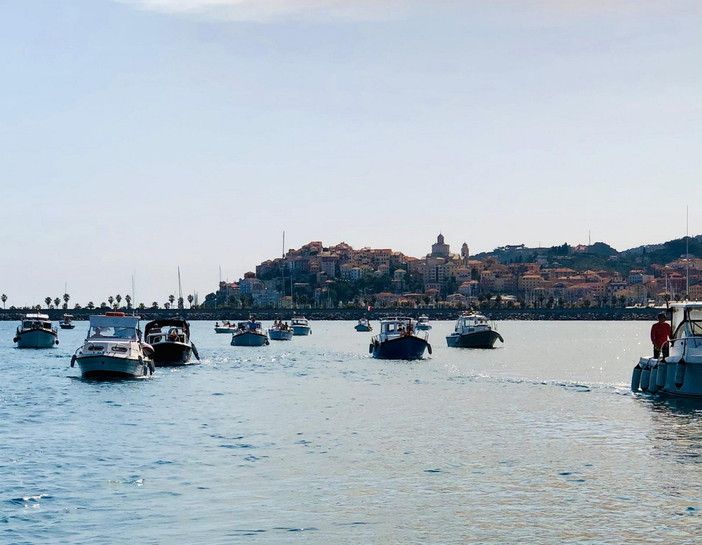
x,y
113,348
36,331
679,373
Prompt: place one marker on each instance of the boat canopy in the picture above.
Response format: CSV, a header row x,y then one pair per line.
x,y
155,325
116,327
686,319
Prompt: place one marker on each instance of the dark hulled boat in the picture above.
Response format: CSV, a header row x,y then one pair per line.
x,y
398,340
170,339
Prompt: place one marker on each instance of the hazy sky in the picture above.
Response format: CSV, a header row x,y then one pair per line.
x,y
139,136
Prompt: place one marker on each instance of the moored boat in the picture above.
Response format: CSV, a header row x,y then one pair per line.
x,y
170,340
423,323
67,322
679,373
225,327
114,348
397,340
472,330
249,333
280,331
363,325
300,325
36,331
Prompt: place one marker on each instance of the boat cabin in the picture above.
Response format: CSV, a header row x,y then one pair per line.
x,y
36,321
113,326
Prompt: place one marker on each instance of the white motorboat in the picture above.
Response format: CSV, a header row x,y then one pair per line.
x,y
280,331
300,325
225,327
36,331
114,349
472,330
398,340
423,323
680,372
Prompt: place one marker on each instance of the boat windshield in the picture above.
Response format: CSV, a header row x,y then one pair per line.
x,y
36,324
686,322
113,332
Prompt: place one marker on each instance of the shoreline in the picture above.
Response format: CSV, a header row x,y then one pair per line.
x,y
598,314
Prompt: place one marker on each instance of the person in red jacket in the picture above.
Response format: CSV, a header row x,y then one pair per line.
x,y
660,333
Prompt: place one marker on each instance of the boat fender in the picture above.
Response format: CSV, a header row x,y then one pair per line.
x,y
645,377
661,376
500,337
370,348
268,342
636,378
652,381
197,356
73,360
680,373
57,341
16,339
429,348
152,367
144,369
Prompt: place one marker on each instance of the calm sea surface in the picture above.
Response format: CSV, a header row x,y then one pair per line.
x,y
312,441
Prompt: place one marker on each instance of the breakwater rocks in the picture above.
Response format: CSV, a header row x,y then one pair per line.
x,y
354,314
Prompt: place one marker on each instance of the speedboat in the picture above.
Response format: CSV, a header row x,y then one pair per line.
x,y
300,325
114,349
249,334
398,340
67,322
423,323
363,325
225,327
36,331
170,339
680,372
473,330
280,331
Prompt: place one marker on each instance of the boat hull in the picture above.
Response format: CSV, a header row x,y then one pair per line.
x,y
249,338
301,330
363,328
280,335
401,348
36,338
67,326
171,353
478,339
108,367
675,377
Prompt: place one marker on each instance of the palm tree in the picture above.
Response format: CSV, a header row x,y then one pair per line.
x,y
47,301
128,300
118,298
90,305
190,300
3,297
171,298
66,297
57,302
110,300
180,303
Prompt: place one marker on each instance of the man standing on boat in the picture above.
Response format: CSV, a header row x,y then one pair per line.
x,y
660,333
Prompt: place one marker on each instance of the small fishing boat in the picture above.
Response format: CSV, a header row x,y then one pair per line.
x,y
280,331
423,323
398,340
300,325
67,322
473,330
225,327
114,349
36,331
363,325
249,333
680,372
170,339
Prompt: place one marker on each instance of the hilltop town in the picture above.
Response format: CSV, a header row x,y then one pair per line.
x,y
583,276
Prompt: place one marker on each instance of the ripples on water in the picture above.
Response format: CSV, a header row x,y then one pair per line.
x,y
312,441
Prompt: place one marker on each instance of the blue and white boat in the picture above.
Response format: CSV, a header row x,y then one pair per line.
x,y
300,325
363,325
679,373
36,331
249,333
423,323
398,340
280,331
114,349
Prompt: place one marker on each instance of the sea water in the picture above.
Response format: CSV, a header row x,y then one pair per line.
x,y
312,441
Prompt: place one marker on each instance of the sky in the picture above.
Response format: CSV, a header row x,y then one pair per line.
x,y
139,137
